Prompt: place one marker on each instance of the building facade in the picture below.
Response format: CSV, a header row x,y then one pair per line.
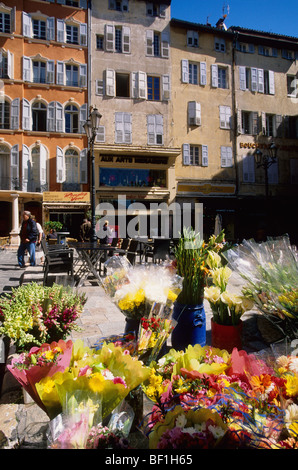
x,y
44,56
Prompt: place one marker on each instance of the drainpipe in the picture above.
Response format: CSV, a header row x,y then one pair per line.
x,y
234,107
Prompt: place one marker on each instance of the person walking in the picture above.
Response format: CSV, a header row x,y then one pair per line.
x,y
85,231
40,236
28,235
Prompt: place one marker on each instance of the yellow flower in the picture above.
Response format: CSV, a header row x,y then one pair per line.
x,y
172,296
292,385
212,294
221,277
213,260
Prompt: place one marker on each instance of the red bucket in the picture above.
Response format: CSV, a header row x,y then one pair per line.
x,y
226,337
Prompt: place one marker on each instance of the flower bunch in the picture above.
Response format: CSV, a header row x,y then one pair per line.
x,y
34,314
270,271
154,331
191,256
102,437
227,307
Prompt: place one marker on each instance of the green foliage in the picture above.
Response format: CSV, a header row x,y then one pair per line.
x,y
54,225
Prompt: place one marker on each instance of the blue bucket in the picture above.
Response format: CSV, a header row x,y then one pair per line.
x,y
191,326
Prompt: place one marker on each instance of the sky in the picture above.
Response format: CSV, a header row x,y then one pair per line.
x,y
273,16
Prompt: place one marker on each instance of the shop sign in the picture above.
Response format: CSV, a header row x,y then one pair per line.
x,y
207,188
67,196
134,160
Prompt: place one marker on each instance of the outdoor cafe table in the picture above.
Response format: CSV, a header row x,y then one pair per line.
x,y
91,255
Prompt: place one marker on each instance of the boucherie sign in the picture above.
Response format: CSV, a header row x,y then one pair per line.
x,y
66,196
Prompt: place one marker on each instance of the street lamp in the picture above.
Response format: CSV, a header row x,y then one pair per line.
x,y
265,161
91,127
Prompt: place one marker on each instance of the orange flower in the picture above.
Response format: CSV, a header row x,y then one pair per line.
x,y
261,383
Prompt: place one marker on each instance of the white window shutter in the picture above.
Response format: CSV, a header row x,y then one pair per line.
x,y
239,121
271,82
184,71
126,39
15,113
203,73
110,82
60,167
83,34
248,169
119,128
27,24
60,67
50,76
260,80
223,157
99,87
43,165
254,79
26,115
101,134
51,28
83,117
149,42
225,117
278,125
61,30
159,129
134,85
166,87
214,76
151,129
165,44
84,166
59,117
9,64
109,38
194,113
255,123
142,85
83,75
51,117
127,128
242,78
13,20
264,126
204,155
186,154
14,165
229,157
27,69
25,167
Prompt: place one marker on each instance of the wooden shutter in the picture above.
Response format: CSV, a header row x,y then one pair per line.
x,y
51,117
149,42
83,75
184,71
260,80
248,169
83,34
254,79
25,167
59,165
59,117
50,75
60,73
83,117
166,87
84,166
142,85
264,126
99,87
194,113
255,123
9,64
61,30
271,83
109,37
14,165
151,129
214,75
51,28
15,113
101,134
242,78
278,125
27,69
119,128
225,117
26,115
43,165
27,24
110,82
125,39
239,121
165,44
205,156
186,154
203,73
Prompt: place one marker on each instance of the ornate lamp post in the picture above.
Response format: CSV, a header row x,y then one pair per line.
x,y
265,161
91,128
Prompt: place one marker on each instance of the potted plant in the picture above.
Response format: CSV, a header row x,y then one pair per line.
x,y
53,225
191,254
227,307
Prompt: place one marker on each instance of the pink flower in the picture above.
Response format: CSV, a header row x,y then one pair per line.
x,y
119,380
85,371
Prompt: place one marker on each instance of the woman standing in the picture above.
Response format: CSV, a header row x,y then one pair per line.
x,y
28,235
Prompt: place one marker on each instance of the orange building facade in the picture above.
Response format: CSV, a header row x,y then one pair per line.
x,y
43,106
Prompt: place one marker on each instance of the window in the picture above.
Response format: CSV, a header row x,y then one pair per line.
x,y
157,44
193,73
6,64
39,29
220,45
118,5
195,155
153,88
155,129
292,86
153,9
219,76
39,117
222,78
71,119
248,122
226,157
194,113
71,169
117,39
132,177
39,71
72,75
248,169
191,70
4,115
257,80
246,48
4,167
272,124
122,85
225,117
99,42
193,38
4,22
72,34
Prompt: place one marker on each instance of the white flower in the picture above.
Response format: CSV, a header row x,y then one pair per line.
x,y
293,366
181,421
107,374
291,413
216,431
190,431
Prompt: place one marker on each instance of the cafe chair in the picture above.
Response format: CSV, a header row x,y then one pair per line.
x,y
125,244
160,251
58,262
132,251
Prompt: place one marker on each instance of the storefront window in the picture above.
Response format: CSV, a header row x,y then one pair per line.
x,y
140,178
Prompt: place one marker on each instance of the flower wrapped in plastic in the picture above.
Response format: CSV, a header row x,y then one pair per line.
x,y
29,368
107,375
188,429
270,270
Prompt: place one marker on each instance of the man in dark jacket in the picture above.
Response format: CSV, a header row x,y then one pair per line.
x,y
28,235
